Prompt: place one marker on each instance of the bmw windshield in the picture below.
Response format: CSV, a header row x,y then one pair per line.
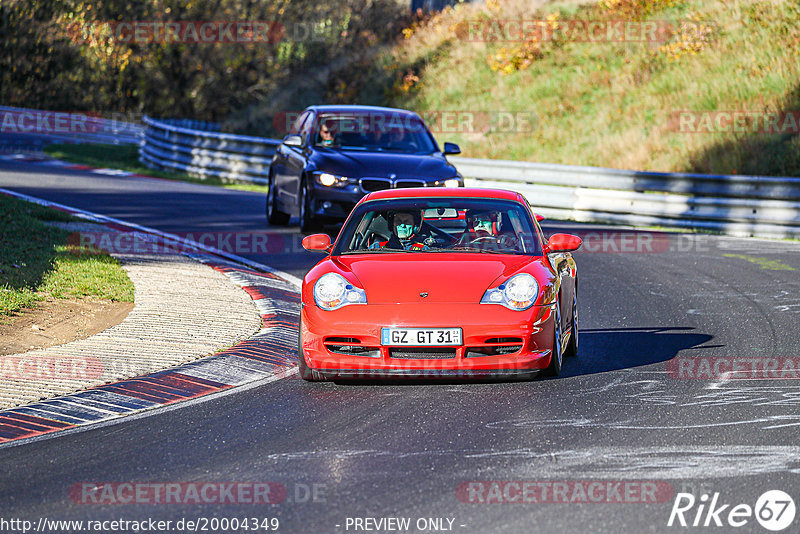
x,y
375,132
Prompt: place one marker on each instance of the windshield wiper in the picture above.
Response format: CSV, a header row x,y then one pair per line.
x,y
469,249
373,251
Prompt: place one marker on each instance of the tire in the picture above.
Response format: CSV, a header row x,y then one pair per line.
x,y
572,346
556,358
274,215
306,373
308,224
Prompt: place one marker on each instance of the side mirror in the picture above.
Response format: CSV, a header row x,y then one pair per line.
x,y
451,148
539,218
317,242
563,243
293,140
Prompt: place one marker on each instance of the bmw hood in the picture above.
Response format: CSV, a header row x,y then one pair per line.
x,y
401,277
381,164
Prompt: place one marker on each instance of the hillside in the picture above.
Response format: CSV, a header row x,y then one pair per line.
x,y
715,89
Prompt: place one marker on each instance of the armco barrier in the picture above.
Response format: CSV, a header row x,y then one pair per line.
x,y
205,153
762,206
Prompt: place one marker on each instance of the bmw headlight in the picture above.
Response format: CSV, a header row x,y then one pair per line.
x,y
517,293
332,291
332,180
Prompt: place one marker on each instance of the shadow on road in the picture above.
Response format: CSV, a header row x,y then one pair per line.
x,y
612,349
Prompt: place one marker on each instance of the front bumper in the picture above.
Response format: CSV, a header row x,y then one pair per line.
x,y
496,340
338,202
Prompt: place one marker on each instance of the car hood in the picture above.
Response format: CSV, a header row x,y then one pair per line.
x,y
382,164
453,278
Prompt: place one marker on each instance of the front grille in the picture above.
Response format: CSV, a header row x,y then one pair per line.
x,y
354,350
492,340
423,353
496,350
403,184
375,184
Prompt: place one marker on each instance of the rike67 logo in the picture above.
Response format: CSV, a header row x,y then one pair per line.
x,y
774,510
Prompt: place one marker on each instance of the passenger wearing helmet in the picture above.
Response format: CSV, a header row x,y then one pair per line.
x,y
485,228
405,226
481,224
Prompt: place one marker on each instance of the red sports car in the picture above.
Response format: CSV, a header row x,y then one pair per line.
x,y
431,282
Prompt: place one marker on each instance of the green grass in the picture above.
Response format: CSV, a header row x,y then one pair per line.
x,y
607,104
36,262
126,158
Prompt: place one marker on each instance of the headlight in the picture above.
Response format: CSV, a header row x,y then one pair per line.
x,y
453,182
332,291
332,180
517,293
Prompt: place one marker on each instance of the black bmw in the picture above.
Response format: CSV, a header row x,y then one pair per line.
x,y
334,155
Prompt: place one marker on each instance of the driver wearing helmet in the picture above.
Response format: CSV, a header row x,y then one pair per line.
x,y
405,226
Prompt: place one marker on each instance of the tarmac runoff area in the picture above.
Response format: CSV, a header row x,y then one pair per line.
x,y
183,310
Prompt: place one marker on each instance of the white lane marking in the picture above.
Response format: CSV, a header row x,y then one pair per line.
x,y
112,172
104,218
668,462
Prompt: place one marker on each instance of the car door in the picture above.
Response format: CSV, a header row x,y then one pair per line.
x,y
282,172
297,158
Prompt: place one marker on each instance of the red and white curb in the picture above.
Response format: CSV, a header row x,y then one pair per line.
x,y
270,354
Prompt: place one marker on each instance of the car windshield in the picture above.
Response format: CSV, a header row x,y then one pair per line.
x,y
435,225
374,131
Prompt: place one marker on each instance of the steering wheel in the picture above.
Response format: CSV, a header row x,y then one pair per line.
x,y
372,238
486,240
508,241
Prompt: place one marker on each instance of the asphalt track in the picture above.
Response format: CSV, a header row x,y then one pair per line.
x,y
397,450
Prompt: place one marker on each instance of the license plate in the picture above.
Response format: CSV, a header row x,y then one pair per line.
x,y
421,336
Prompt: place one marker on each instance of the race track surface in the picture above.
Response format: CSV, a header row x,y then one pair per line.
x,y
618,413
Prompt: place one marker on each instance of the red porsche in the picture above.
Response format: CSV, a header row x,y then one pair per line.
x,y
428,282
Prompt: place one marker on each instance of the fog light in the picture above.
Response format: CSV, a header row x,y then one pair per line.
x,y
326,205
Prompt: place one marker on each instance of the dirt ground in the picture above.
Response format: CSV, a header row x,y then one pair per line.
x,y
58,321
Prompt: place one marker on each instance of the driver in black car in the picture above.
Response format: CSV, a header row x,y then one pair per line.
x,y
406,235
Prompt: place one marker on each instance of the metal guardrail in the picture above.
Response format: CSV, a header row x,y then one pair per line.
x,y
72,126
762,206
240,158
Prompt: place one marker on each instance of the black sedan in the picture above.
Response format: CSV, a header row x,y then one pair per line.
x,y
334,155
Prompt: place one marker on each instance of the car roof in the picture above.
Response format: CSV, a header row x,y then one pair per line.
x,y
457,192
342,108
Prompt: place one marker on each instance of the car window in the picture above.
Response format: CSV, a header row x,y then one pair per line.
x,y
305,128
295,129
374,131
439,225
